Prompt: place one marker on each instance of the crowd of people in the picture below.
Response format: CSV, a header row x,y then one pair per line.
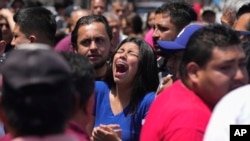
x,y
105,74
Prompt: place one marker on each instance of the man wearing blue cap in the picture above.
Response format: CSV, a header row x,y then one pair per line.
x,y
212,64
173,51
168,23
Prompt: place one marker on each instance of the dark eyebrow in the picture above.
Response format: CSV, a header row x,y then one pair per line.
x,y
234,59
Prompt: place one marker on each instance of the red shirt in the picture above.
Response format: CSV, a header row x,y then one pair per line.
x,y
177,114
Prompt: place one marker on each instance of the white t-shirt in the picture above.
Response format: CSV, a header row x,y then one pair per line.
x,y
234,108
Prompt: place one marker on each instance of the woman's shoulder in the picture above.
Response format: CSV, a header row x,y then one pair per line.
x,y
150,95
148,98
145,104
100,84
101,88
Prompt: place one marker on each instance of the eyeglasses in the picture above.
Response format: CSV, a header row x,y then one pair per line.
x,y
4,24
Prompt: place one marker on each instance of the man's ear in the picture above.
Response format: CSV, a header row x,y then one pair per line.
x,y
32,38
193,70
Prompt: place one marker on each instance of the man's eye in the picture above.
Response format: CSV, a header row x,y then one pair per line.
x,y
225,68
243,64
99,40
86,42
163,29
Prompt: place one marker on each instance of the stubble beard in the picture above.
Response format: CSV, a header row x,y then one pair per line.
x,y
99,65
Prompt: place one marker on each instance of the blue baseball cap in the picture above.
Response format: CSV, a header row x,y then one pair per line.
x,y
182,38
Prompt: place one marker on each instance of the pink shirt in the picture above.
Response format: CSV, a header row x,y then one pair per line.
x,y
64,45
149,37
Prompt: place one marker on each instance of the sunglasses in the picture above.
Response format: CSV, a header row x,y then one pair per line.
x,y
4,24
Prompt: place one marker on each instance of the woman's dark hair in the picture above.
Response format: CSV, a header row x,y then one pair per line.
x,y
134,20
146,79
147,26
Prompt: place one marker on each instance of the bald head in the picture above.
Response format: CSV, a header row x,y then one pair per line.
x,y
76,15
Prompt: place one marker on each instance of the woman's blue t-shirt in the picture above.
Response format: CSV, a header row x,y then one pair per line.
x,y
104,114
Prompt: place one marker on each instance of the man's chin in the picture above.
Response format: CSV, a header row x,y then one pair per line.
x,y
99,65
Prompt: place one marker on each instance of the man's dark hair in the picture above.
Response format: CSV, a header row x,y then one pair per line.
x,y
246,46
201,44
37,95
244,9
39,112
83,75
37,21
87,20
181,13
135,22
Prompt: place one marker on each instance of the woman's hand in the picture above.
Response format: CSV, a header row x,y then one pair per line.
x,y
111,132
